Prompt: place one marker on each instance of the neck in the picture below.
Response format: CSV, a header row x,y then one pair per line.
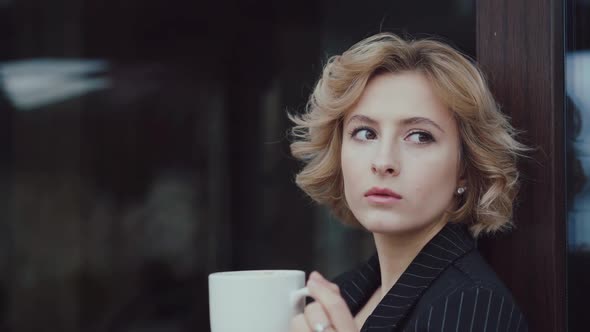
x,y
396,252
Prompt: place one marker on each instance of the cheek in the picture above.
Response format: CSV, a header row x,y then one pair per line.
x,y
349,174
434,187
350,162
353,167
435,177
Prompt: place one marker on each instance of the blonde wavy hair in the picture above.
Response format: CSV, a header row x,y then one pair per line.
x,y
489,150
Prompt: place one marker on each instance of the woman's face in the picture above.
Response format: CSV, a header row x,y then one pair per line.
x,y
400,155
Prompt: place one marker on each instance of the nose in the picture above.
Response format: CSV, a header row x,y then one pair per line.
x,y
384,169
385,162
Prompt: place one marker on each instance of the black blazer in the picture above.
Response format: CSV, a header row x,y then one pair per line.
x,y
447,287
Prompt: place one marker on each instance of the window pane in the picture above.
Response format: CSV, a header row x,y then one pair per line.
x,y
144,148
577,77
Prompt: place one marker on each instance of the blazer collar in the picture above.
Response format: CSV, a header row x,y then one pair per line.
x,y
451,243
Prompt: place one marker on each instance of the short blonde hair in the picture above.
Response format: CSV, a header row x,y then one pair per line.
x,y
489,149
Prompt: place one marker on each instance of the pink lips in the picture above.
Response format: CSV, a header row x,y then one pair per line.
x,y
382,196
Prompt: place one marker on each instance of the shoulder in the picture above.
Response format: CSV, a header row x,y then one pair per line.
x,y
476,308
467,296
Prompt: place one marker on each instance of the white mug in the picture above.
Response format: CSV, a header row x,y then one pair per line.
x,y
255,301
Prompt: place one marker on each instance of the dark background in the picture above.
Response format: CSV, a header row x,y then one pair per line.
x,y
116,204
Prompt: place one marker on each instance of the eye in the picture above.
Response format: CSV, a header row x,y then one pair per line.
x,y
363,134
420,137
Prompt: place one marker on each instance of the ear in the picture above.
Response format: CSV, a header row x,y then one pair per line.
x,y
462,182
462,173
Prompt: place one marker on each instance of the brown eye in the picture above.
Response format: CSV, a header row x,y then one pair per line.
x,y
364,134
420,137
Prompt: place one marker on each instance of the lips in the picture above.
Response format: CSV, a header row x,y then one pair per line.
x,y
382,196
382,192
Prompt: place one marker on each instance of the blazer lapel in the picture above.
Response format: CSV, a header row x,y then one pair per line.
x,y
452,242
357,286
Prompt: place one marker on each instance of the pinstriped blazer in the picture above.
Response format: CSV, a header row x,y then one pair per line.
x,y
447,287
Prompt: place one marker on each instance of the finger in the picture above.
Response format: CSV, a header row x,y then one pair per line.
x,y
314,314
299,324
317,276
324,292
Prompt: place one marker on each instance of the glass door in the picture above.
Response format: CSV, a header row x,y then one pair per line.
x,y
144,147
577,79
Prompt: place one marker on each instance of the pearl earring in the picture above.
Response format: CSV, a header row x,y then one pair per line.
x,y
461,190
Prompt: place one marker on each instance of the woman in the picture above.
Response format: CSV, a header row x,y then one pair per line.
x,y
404,139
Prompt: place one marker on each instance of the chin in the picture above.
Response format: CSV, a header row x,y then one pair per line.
x,y
390,224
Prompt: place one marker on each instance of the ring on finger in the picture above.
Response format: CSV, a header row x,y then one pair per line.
x,y
319,327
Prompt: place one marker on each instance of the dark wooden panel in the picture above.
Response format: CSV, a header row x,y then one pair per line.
x,y
520,47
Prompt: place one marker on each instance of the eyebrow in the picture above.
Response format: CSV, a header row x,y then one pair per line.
x,y
408,121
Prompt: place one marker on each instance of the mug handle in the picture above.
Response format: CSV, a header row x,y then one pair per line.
x,y
299,294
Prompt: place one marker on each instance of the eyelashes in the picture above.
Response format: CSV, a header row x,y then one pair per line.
x,y
363,129
421,137
364,133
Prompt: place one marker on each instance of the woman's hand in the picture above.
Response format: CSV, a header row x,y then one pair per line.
x,y
329,312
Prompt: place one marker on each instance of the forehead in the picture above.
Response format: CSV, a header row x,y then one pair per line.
x,y
395,96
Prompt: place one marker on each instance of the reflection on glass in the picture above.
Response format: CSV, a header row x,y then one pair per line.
x,y
577,87
577,79
34,83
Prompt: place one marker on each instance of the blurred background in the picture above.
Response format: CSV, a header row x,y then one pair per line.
x,y
144,146
577,129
